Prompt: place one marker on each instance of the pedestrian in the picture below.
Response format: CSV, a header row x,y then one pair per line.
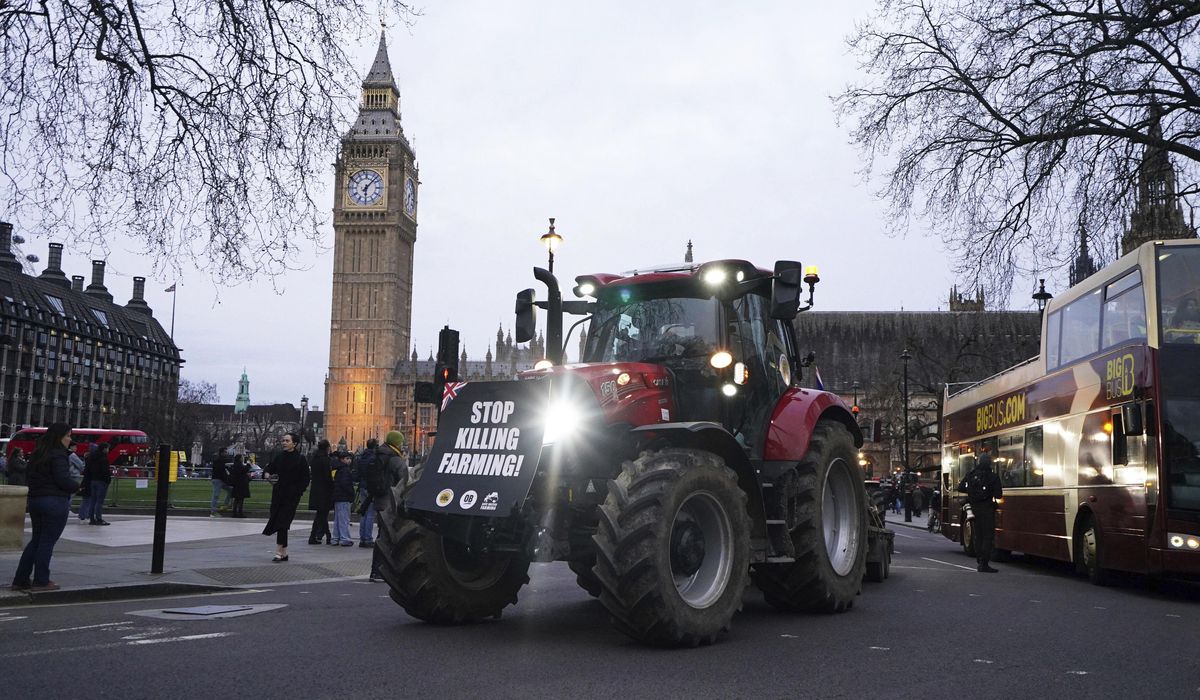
x,y
388,470
17,467
239,477
291,475
49,503
79,474
918,495
366,510
320,494
220,478
342,495
982,487
98,473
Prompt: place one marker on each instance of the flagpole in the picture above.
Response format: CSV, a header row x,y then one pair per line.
x,y
174,292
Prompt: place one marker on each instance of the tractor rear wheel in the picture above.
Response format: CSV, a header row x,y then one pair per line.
x,y
828,502
673,547
440,580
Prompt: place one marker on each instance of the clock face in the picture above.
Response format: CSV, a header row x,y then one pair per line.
x,y
365,187
410,196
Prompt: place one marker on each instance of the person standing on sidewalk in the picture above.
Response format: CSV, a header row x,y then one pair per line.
x,y
239,477
363,464
320,494
17,467
342,496
389,470
291,475
983,487
220,480
49,503
99,474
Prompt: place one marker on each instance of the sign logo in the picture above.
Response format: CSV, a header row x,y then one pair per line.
x,y
1119,375
468,500
445,497
489,501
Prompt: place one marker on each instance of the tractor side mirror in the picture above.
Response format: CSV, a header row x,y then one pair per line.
x,y
785,290
526,322
1131,419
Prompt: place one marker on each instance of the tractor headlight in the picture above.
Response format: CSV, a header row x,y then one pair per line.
x,y
563,420
716,276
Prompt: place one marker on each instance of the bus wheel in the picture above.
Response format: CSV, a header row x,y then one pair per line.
x,y
1087,552
967,532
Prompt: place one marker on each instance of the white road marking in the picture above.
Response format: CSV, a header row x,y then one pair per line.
x,y
880,648
984,661
957,566
1097,607
85,627
911,537
12,619
789,636
1077,673
1035,601
1170,615
975,595
111,645
187,638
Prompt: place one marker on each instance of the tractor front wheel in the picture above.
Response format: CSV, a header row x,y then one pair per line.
x,y
673,547
440,580
827,507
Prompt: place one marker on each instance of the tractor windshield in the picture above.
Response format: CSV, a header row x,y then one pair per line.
x,y
652,330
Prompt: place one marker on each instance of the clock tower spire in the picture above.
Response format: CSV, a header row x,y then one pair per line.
x,y
375,230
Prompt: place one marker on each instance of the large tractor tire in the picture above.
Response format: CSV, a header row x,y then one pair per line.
x,y
673,548
827,514
439,580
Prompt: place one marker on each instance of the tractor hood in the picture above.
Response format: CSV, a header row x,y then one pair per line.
x,y
635,393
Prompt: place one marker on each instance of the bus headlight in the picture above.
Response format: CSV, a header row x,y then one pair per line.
x,y
1178,540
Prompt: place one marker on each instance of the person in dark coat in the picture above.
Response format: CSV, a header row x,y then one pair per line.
x,y
320,494
49,503
99,474
239,478
983,487
17,467
220,482
290,472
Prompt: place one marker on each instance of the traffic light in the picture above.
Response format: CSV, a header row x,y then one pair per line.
x,y
446,368
425,392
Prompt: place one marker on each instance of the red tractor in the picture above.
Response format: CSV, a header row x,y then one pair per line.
x,y
677,462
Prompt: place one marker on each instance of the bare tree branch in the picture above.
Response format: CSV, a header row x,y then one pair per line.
x,y
196,128
1012,124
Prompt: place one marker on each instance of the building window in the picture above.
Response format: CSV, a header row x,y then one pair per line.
x,y
101,317
56,303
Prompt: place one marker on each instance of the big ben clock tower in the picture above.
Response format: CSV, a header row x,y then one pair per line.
x,y
375,228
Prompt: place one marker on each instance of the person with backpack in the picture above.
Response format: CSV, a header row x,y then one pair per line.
x,y
364,465
388,470
982,487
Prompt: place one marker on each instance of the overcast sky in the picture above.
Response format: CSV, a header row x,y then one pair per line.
x,y
638,126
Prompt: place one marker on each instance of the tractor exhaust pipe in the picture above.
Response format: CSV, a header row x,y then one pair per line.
x,y
554,315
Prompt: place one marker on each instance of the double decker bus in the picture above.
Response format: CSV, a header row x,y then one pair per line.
x,y
1097,439
126,447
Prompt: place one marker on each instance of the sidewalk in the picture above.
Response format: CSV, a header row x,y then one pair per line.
x,y
894,520
201,553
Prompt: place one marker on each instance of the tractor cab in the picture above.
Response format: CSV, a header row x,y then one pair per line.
x,y
721,331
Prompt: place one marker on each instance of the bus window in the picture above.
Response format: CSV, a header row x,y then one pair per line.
x,y
1124,310
1009,461
1053,326
1179,295
1120,444
1081,327
1033,475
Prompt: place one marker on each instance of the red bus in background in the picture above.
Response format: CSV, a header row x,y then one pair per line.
x,y
126,447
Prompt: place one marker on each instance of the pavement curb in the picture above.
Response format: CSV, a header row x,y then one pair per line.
x,y
107,593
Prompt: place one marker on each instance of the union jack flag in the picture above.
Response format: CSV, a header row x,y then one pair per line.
x,y
451,392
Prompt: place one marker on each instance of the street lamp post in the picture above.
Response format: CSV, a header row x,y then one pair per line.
x,y
906,356
551,240
1041,296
